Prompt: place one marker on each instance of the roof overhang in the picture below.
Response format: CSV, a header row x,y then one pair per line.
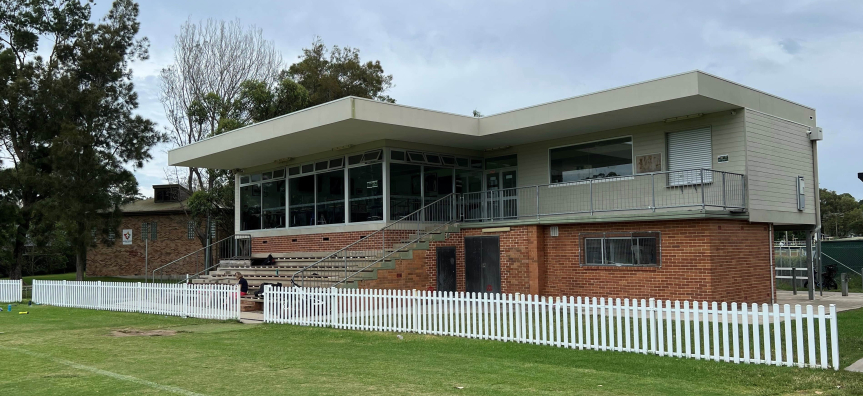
x,y
353,121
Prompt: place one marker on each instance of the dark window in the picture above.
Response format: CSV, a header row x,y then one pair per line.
x,y
337,163
302,201
250,207
294,171
366,193
608,158
331,198
438,183
450,161
273,204
278,174
397,155
622,249
405,190
506,161
433,159
244,179
256,178
476,164
267,176
355,159
372,156
416,157
166,194
308,168
321,165
463,162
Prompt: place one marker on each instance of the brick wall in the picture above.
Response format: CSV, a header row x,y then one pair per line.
x,y
172,242
712,259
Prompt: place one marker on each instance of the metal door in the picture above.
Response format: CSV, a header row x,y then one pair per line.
x,y
446,278
482,264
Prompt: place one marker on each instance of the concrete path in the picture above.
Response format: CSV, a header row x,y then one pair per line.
x,y
853,301
255,317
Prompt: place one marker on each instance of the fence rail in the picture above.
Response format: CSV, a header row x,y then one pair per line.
x,y
757,334
11,290
198,301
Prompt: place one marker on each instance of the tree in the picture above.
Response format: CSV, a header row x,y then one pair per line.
x,y
28,107
330,74
841,214
201,92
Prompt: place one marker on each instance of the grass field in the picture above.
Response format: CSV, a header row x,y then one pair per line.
x,y
73,352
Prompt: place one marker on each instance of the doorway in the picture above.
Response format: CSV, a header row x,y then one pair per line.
x,y
446,276
501,193
482,264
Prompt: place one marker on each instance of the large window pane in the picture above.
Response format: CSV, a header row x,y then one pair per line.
x,y
469,183
366,193
273,204
302,201
331,197
506,161
607,158
405,190
438,183
250,210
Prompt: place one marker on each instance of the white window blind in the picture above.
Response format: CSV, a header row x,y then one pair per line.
x,y
688,153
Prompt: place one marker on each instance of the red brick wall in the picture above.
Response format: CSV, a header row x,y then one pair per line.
x,y
714,260
172,242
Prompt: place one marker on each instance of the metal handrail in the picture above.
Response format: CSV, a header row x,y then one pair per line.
x,y
381,231
199,251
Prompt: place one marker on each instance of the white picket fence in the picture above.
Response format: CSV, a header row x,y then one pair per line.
x,y
744,333
198,301
11,290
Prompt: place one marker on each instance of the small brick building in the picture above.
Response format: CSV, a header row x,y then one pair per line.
x,y
669,188
169,236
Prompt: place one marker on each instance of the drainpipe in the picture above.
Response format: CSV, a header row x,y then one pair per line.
x,y
772,268
816,256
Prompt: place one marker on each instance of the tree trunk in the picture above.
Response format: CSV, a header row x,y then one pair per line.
x,y
20,245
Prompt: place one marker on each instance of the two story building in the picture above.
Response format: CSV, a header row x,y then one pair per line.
x,y
669,188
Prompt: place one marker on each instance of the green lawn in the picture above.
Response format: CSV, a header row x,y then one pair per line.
x,y
71,351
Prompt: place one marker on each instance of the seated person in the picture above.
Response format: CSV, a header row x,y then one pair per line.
x,y
244,285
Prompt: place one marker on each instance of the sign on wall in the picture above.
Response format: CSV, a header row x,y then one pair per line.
x,y
648,163
127,237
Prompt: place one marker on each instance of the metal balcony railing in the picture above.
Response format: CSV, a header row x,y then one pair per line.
x,y
696,188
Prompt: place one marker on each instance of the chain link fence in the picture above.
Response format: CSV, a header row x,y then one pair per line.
x,y
837,257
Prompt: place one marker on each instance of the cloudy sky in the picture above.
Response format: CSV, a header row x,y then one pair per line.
x,y
457,56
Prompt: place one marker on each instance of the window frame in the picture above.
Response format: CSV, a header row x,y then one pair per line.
x,y
617,235
622,177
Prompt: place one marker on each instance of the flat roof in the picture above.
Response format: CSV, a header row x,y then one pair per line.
x,y
353,121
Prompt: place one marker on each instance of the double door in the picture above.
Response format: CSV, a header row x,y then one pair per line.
x,y
501,196
482,264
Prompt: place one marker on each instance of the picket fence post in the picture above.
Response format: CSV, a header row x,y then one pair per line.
x,y
140,303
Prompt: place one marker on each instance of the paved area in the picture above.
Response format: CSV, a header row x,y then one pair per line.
x,y
852,301
254,317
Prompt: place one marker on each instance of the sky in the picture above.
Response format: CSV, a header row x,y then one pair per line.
x,y
457,56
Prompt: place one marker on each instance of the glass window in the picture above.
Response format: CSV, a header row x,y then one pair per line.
x,y
450,161
250,209
273,204
476,163
433,159
244,179
267,176
294,171
506,161
331,197
608,158
405,190
365,186
468,181
634,249
355,159
308,168
321,166
397,155
302,201
372,155
277,174
256,177
416,157
463,162
437,182
337,163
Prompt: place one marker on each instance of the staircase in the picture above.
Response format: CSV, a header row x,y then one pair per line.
x,y
356,262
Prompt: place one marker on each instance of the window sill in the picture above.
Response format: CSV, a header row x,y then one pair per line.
x,y
621,267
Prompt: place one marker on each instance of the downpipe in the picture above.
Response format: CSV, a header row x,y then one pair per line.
x,y
772,268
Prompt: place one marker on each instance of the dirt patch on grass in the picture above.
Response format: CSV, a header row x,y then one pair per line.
x,y
142,333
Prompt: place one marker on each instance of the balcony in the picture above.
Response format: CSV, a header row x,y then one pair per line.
x,y
696,189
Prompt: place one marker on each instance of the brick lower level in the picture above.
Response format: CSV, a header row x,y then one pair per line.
x,y
709,259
